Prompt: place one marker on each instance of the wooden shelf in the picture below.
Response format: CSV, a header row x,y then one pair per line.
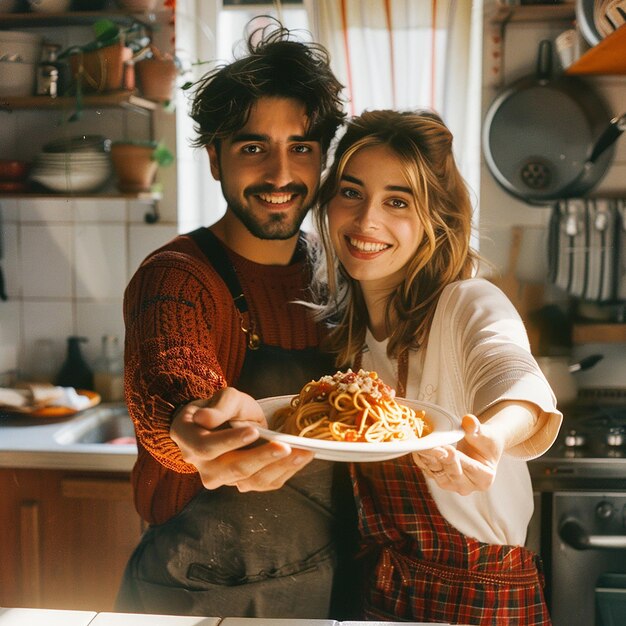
x,y
607,57
533,13
599,333
103,100
73,18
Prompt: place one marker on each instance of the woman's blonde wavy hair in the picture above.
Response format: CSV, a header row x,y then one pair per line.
x,y
423,145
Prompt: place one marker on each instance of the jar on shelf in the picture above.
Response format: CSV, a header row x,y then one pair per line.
x,y
48,72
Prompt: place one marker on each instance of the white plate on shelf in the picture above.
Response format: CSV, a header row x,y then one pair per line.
x,y
446,430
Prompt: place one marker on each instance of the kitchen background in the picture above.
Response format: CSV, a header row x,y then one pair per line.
x,y
66,260
66,511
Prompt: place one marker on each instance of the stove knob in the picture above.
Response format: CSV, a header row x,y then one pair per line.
x,y
574,439
616,436
604,510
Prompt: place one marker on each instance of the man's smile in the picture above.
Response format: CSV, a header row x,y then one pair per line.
x,y
277,198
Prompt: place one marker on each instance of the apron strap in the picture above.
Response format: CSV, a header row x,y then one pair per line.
x,y
214,251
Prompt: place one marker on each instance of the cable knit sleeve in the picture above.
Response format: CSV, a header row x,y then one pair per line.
x,y
176,326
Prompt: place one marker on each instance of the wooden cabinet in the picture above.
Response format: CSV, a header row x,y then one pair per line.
x,y
66,537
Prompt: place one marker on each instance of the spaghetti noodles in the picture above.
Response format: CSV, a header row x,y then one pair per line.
x,y
350,406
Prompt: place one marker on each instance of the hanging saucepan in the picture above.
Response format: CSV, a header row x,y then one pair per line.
x,y
548,138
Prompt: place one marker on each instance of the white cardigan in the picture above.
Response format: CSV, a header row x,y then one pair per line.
x,y
477,354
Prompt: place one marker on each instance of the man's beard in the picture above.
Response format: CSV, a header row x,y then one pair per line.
x,y
276,225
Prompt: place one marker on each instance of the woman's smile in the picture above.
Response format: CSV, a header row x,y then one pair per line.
x,y
364,247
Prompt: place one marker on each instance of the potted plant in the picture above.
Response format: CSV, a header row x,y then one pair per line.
x,y
99,65
156,75
136,163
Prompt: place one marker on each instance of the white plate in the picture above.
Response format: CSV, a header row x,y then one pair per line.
x,y
445,431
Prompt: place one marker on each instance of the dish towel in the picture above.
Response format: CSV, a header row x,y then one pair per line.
x,y
28,397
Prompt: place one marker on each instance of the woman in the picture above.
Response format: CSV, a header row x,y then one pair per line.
x,y
443,529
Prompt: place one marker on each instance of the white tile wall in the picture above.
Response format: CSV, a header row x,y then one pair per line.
x,y
47,260
67,261
100,260
142,241
44,319
66,264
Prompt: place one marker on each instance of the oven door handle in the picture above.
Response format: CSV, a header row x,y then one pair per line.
x,y
572,533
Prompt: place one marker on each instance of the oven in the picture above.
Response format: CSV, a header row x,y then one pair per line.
x,y
579,526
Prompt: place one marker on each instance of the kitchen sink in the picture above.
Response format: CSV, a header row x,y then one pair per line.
x,y
101,426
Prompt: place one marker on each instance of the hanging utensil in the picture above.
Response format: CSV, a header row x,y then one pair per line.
x,y
584,364
560,374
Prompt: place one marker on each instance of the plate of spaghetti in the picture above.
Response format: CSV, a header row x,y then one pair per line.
x,y
355,416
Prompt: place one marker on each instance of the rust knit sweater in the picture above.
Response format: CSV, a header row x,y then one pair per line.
x,y
184,341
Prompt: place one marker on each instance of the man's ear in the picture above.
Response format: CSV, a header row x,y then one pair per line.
x,y
214,161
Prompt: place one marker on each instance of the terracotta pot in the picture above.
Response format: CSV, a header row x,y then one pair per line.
x,y
101,70
156,78
134,166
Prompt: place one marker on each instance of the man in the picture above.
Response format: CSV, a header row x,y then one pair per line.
x,y
211,323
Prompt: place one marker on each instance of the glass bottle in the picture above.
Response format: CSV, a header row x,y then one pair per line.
x,y
48,71
75,372
109,370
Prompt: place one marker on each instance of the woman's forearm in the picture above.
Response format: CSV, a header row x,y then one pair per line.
x,y
512,422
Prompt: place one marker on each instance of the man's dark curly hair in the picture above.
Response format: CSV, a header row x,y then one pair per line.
x,y
276,65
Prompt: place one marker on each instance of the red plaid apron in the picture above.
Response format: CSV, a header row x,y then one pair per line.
x,y
423,569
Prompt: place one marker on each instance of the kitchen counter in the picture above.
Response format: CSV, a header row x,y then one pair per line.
x,y
78,442
49,617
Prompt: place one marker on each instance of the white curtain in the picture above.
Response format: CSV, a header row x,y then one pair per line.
x,y
407,54
401,54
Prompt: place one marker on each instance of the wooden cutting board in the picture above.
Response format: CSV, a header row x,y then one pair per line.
x,y
525,296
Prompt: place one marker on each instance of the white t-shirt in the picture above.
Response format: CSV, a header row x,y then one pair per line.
x,y
477,354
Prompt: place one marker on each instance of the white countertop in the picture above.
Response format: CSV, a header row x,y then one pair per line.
x,y
136,619
276,621
27,442
52,617
49,617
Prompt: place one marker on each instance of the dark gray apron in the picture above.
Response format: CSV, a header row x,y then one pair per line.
x,y
258,554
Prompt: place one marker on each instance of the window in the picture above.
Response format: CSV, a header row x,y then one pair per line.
x,y
207,30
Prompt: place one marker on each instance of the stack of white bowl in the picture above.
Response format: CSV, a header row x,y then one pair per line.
x,y
19,56
76,165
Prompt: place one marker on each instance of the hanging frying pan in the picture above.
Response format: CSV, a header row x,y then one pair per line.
x,y
549,138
